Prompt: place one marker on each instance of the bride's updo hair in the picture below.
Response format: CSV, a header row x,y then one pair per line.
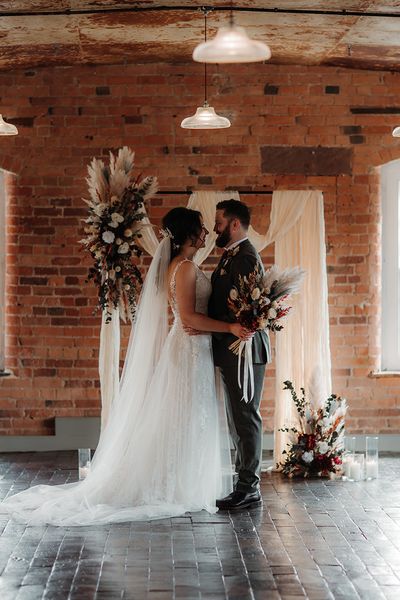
x,y
182,224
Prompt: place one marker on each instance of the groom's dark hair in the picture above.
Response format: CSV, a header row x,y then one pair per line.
x,y
234,209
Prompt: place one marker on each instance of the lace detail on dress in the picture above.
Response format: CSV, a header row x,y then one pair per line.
x,y
197,345
172,286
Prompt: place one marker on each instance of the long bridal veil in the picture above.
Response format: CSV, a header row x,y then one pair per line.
x,y
153,460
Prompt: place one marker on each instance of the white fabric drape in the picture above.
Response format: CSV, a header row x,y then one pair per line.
x,y
297,228
148,241
109,362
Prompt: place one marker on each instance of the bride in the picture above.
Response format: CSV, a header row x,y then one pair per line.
x,y
165,449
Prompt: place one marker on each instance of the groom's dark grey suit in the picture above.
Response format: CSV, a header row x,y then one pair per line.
x,y
244,418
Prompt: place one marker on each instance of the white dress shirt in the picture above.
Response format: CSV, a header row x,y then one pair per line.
x,y
232,246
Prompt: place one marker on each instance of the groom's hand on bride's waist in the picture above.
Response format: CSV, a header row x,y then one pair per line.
x,y
191,331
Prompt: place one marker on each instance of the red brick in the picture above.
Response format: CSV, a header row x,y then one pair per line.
x,y
46,208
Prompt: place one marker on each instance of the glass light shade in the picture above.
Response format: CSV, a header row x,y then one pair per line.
x,y
231,45
205,118
7,128
396,132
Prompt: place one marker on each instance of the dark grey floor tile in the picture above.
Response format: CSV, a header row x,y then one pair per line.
x,y
315,539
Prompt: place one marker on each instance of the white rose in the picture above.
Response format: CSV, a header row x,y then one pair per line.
x,y
274,304
124,248
108,237
323,447
128,232
233,294
117,217
127,287
118,268
308,457
112,224
272,313
255,294
118,241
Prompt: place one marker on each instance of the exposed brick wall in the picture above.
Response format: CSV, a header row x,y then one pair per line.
x,y
68,115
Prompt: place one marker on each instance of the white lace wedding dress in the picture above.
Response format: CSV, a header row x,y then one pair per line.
x,y
164,451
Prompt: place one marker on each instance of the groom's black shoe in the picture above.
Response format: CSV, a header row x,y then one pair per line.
x,y
238,500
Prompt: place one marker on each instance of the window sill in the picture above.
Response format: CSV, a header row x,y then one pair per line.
x,y
383,374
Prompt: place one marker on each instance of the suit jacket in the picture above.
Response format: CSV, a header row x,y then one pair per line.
x,y
238,262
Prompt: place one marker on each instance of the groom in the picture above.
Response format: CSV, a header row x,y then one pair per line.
x,y
239,259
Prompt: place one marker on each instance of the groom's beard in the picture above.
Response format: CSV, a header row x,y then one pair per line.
x,y
224,238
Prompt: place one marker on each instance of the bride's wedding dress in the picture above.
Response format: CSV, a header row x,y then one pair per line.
x,y
165,449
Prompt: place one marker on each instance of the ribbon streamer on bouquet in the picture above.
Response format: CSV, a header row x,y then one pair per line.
x,y
248,372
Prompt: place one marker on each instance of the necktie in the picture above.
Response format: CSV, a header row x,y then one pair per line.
x,y
223,257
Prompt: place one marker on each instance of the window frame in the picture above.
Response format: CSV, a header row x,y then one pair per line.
x,y
3,211
390,282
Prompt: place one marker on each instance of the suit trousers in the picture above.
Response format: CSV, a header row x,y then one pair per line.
x,y
245,426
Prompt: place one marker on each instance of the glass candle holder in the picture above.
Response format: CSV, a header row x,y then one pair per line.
x,y
347,456
83,462
347,460
356,468
371,457
350,444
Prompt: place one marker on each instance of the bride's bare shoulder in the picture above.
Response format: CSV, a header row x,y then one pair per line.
x,y
181,268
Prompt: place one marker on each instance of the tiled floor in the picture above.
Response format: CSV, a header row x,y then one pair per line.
x,y
312,539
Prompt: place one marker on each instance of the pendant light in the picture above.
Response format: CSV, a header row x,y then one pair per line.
x,y
205,116
231,45
7,128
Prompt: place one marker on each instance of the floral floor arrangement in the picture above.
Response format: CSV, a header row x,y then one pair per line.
x,y
316,444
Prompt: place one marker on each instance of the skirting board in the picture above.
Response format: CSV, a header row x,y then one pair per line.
x,y
83,432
